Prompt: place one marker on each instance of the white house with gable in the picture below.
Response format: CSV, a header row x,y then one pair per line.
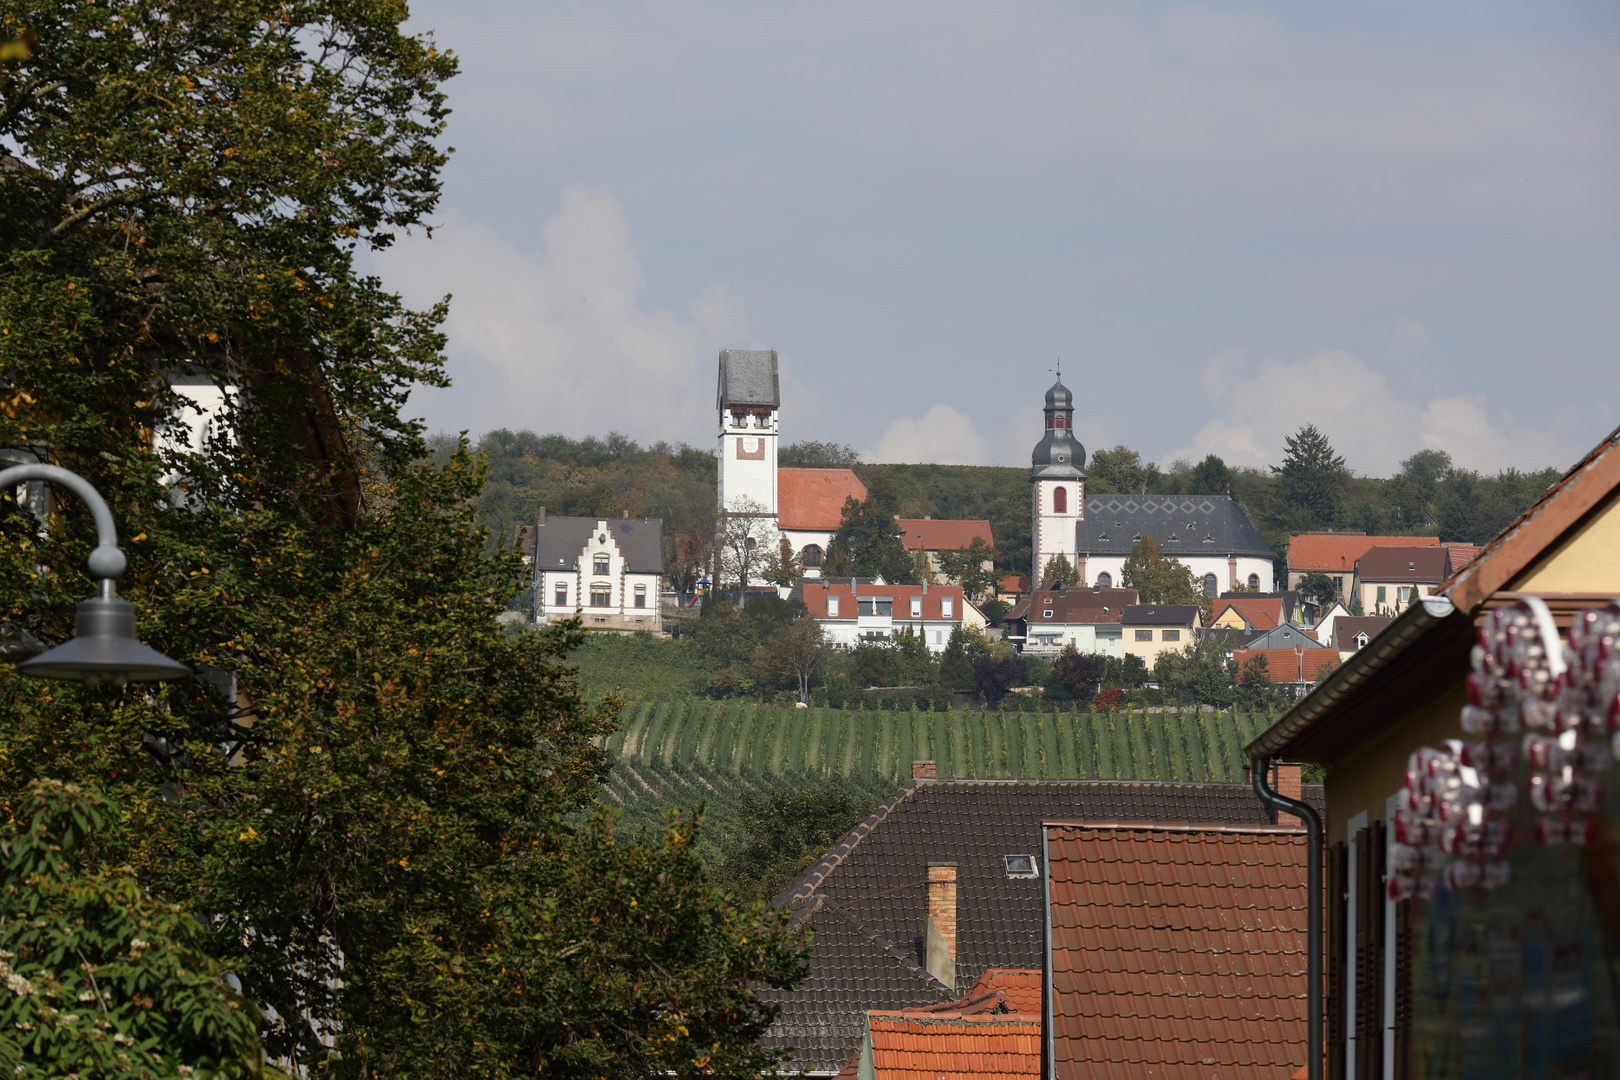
x,y
606,570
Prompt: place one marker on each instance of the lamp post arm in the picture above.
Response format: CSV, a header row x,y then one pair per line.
x,y
106,562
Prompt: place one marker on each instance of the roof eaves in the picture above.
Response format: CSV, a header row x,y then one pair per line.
x,y
1367,664
801,889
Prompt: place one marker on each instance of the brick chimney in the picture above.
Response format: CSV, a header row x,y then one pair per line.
x,y
922,770
939,930
1288,781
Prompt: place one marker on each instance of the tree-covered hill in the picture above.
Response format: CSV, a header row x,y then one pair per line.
x,y
1310,489
674,754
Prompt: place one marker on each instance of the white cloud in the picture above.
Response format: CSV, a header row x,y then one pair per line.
x,y
558,340
1256,404
1409,336
942,437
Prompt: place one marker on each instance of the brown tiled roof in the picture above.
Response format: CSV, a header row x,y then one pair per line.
x,y
1160,615
815,591
1462,555
908,1046
1260,614
1405,564
1177,952
814,498
866,898
1078,604
1336,553
1294,665
1013,584
1346,627
927,534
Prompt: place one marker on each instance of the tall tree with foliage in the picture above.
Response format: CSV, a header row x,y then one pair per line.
x,y
1313,476
867,543
1158,578
368,790
971,567
787,831
1059,571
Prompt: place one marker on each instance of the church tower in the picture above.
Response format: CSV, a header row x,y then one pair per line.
x,y
748,399
1058,485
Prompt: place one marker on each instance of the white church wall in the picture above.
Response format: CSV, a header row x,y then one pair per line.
x,y
1200,565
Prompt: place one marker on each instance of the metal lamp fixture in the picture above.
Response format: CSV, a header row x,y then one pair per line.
x,y
104,649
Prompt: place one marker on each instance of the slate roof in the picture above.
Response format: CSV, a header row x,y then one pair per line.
x,y
813,499
931,534
1346,627
1218,526
1286,636
1405,564
748,377
1336,553
1178,952
866,897
1160,615
561,540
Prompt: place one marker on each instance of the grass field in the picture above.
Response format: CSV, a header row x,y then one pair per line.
x,y
675,754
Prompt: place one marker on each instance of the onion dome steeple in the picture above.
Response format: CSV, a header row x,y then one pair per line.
x,y
1059,454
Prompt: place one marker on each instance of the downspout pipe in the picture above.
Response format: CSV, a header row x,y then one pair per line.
x,y
1275,800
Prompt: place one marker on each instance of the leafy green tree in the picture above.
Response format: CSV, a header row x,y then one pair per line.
x,y
1121,471
994,610
994,676
375,777
1258,688
1127,673
1076,676
809,454
1313,476
867,543
794,655
1158,578
967,567
1413,493
1318,588
1197,674
1059,571
101,979
786,832
1212,476
955,666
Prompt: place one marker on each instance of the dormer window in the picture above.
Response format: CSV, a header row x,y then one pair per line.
x,y
1047,614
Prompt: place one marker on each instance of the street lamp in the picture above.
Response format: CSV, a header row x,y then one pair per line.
x,y
104,649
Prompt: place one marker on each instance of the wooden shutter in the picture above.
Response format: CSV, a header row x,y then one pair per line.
x,y
1369,953
1405,947
1337,881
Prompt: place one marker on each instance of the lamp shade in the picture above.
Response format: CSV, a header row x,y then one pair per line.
x,y
104,650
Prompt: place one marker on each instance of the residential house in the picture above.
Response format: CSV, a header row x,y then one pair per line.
x,y
1485,944
1256,611
943,882
1388,579
1335,554
1295,670
935,538
1150,629
1326,620
1055,618
606,570
993,1030
851,611
1010,589
1286,636
1175,949
1353,633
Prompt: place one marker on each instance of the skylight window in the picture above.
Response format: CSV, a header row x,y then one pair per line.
x,y
1021,866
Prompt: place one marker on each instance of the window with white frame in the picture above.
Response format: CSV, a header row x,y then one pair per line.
x,y
601,594
947,605
641,596
916,607
832,607
599,564
562,594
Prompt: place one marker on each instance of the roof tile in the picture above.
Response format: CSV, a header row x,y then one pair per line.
x,y
813,499
1330,553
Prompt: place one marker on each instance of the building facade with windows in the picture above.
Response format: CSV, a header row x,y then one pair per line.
x,y
1389,579
1150,629
1096,532
606,570
851,611
1052,619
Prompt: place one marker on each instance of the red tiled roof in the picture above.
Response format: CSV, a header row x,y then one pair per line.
x,y
914,1046
1332,553
1461,554
1261,614
814,498
1178,952
1079,605
1019,988
1288,665
1405,564
817,592
927,534
1013,584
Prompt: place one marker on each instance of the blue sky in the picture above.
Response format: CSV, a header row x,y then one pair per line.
x,y
1397,220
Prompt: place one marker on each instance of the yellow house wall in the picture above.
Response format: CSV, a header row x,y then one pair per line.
x,y
1149,650
1229,617
1588,561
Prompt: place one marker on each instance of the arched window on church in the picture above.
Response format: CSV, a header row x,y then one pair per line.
x,y
1212,584
810,556
1060,500
1254,582
1105,580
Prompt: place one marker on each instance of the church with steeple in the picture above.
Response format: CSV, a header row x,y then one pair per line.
x,y
1095,533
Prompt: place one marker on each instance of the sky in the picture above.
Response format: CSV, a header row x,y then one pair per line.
x,y
1395,219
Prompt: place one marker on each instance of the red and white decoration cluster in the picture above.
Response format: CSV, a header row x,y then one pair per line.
x,y
1564,700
